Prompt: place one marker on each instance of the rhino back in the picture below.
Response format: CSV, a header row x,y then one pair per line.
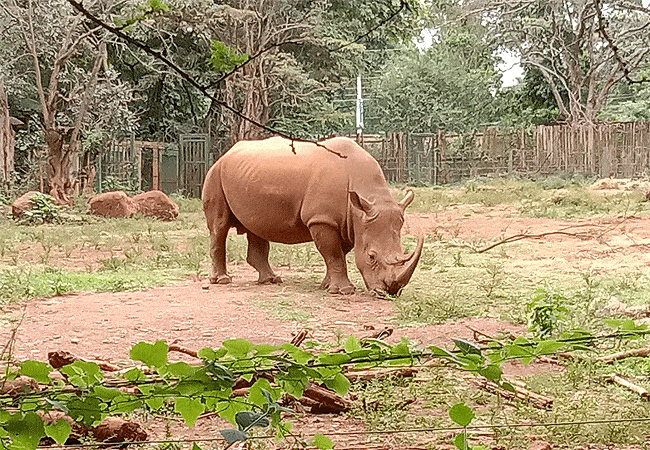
x,y
276,193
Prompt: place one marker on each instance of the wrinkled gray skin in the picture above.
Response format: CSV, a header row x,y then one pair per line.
x,y
334,194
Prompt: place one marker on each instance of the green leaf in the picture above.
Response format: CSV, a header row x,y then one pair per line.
x,y
352,344
26,430
225,58
261,393
468,348
239,348
83,374
492,372
59,431
190,409
107,394
339,383
461,414
333,359
231,436
134,375
461,441
300,356
209,353
323,442
37,370
265,349
247,419
548,347
180,369
440,352
153,355
89,410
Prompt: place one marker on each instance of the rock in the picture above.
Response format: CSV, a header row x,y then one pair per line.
x,y
112,204
115,429
156,204
606,183
22,204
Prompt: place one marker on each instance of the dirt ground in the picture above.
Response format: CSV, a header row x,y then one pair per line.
x,y
106,325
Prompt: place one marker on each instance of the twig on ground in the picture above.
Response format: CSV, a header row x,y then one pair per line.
x,y
641,352
628,384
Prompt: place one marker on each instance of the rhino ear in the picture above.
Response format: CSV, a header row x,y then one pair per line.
x,y
360,203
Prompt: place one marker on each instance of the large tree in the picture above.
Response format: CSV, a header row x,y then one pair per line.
x,y
448,86
582,48
66,61
7,138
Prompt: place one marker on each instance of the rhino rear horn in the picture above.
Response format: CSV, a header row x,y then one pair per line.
x,y
407,200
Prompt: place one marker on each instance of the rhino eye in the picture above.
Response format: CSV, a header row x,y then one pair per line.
x,y
372,256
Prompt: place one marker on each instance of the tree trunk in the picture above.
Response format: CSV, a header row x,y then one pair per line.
x,y
7,140
61,185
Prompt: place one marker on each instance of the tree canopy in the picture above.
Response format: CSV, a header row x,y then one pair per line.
x,y
241,69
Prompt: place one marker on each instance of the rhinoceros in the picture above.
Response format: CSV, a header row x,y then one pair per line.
x,y
332,192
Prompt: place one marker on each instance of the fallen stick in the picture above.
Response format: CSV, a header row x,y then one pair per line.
x,y
642,352
174,347
299,338
628,384
381,334
369,374
521,393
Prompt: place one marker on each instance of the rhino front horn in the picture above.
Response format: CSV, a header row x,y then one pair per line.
x,y
404,276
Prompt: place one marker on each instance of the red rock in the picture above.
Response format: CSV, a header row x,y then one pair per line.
x,y
112,204
156,204
22,204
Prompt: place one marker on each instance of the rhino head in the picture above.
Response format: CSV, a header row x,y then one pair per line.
x,y
377,243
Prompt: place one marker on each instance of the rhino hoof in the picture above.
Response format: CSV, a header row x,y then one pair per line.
x,y
275,279
345,290
220,279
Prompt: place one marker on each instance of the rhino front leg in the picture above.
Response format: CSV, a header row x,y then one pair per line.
x,y
258,257
328,242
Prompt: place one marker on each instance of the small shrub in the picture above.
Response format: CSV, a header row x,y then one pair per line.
x,y
44,210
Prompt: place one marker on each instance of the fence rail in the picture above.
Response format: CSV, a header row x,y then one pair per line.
x,y
605,150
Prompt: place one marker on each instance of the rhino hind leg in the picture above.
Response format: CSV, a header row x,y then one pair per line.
x,y
328,242
219,220
258,257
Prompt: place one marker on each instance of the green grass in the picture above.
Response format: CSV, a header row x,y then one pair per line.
x,y
554,197
452,282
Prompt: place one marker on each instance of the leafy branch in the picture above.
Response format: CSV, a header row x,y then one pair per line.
x,y
87,395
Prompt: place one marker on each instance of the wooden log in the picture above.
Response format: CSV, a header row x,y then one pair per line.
x,y
521,393
330,401
21,385
62,358
641,352
628,384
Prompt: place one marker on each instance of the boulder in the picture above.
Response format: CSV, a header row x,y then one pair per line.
x,y
156,204
112,204
22,204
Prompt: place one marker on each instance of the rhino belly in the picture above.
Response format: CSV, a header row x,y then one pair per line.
x,y
269,211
